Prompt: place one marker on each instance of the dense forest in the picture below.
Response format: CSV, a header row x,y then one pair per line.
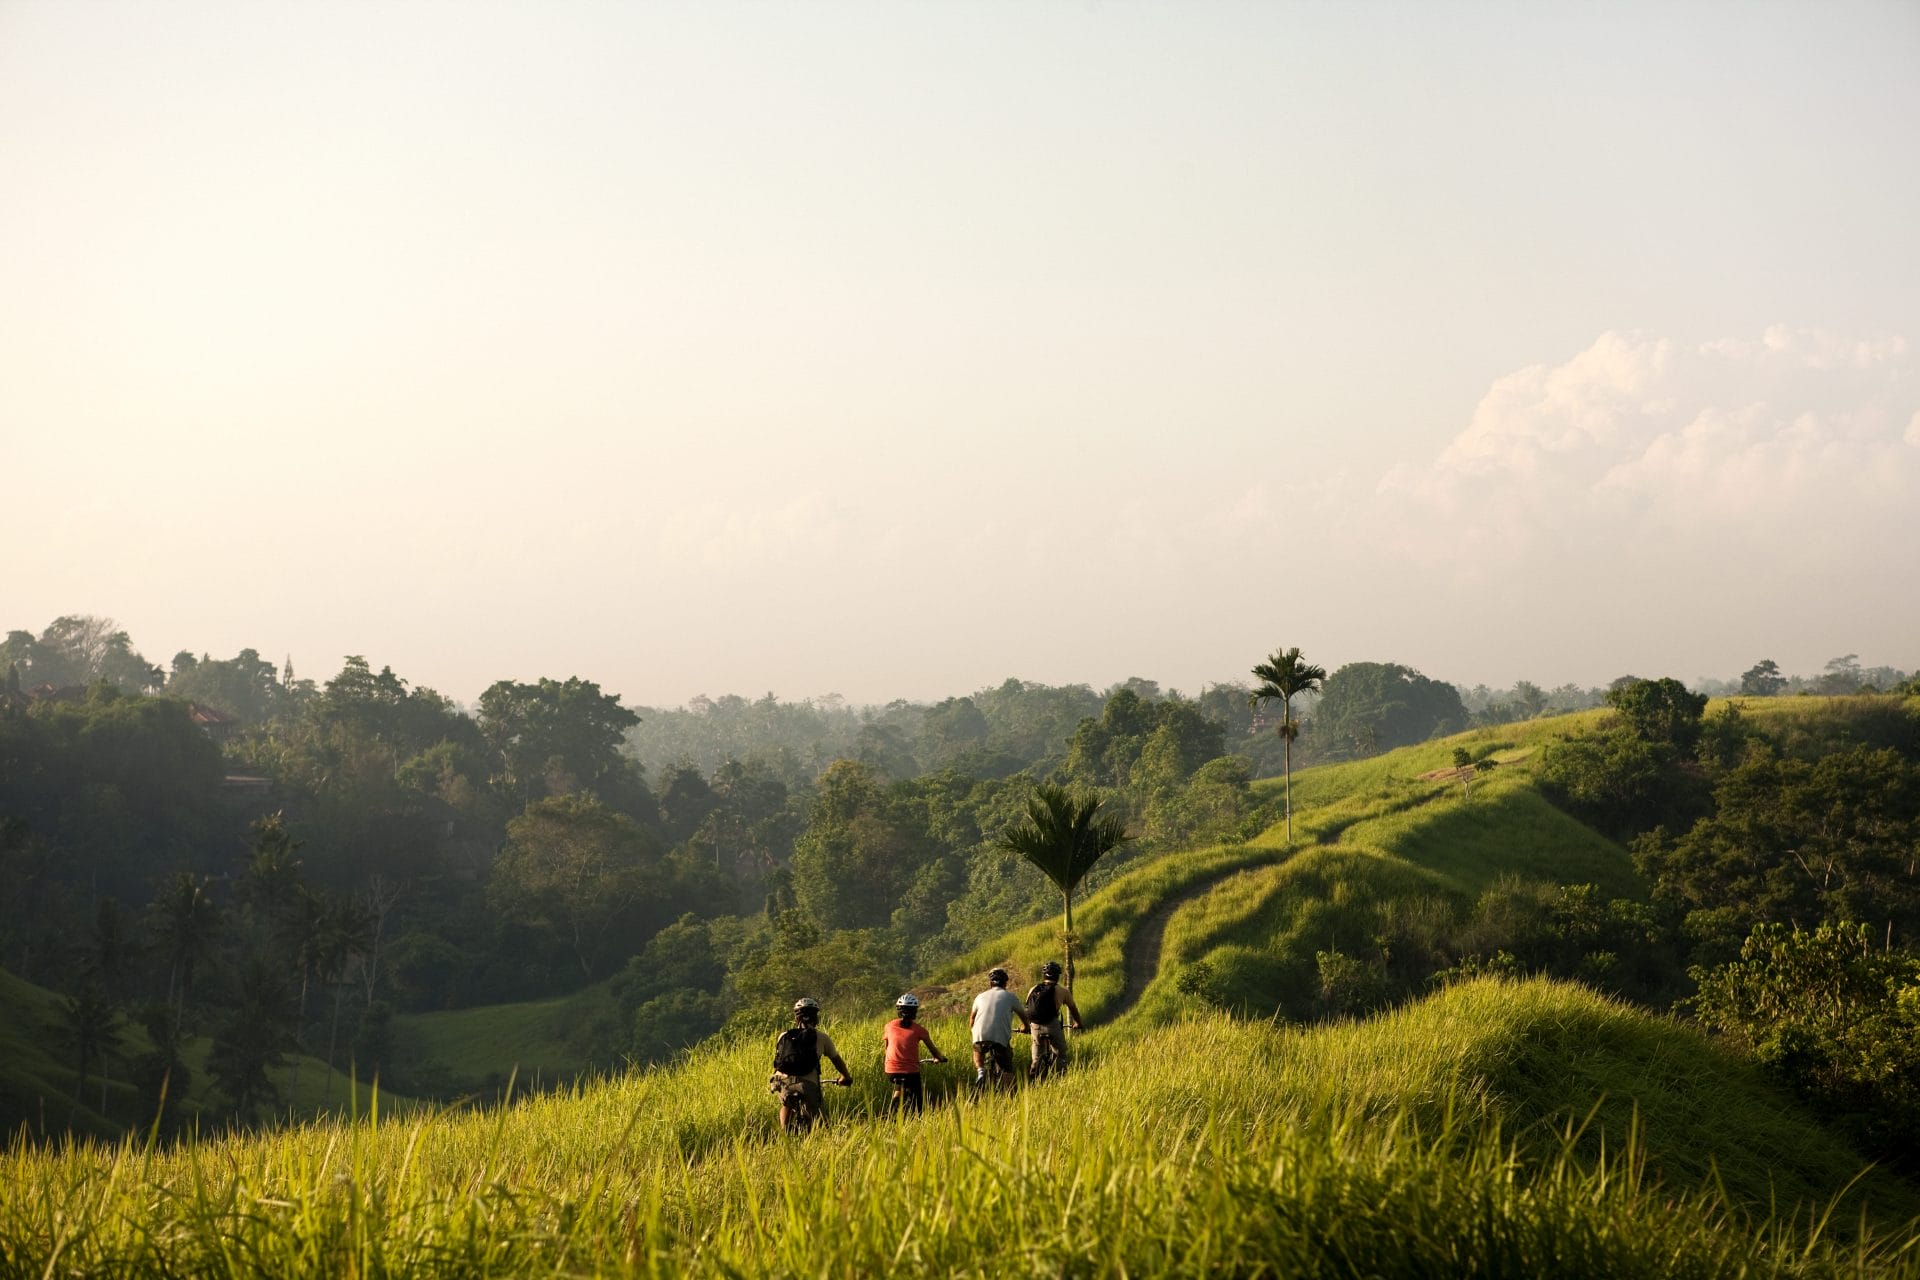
x,y
224,849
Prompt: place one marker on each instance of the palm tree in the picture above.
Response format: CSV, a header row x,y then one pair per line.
x,y
185,922
1282,676
253,1038
303,937
90,1020
1063,838
346,933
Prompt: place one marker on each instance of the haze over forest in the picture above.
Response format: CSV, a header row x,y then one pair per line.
x,y
891,351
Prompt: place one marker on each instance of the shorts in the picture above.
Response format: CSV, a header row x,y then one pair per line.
x,y
1057,1032
993,1049
809,1090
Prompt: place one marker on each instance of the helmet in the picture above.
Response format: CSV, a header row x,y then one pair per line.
x,y
997,977
807,1009
1050,970
907,1001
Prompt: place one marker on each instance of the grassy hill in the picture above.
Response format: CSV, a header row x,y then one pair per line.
x,y
1511,1127
38,1086
535,1043
1491,1130
39,1091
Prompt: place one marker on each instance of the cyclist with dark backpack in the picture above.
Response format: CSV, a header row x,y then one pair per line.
x,y
1044,1005
796,1066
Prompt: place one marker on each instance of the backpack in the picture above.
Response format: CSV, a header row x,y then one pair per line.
x,y
797,1052
1043,1003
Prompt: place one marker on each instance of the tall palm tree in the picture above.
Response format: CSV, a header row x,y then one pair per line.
x,y
90,1020
1282,676
185,924
345,936
302,930
1063,837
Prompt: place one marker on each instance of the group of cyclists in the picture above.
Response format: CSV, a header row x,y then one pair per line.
x,y
1045,1015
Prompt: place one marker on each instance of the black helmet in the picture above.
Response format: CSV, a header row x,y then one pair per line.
x,y
807,1009
997,977
1050,970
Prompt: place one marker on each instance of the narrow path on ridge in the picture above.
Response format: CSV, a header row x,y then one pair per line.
x,y
1143,947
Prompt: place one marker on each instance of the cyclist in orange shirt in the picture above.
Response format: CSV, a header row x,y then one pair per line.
x,y
904,1036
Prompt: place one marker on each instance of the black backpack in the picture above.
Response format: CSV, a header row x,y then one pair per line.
x,y
1043,1003
797,1052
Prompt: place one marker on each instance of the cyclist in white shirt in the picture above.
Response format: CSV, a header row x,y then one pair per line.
x,y
992,1023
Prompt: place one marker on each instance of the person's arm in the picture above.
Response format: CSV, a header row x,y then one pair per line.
x,y
931,1047
1020,1012
1066,999
832,1053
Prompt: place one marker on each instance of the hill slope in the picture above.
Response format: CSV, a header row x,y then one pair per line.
x,y
1424,1142
1519,1127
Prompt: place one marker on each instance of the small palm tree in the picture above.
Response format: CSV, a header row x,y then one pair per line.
x,y
1064,837
1282,676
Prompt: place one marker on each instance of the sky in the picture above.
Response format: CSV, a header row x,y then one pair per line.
x,y
891,350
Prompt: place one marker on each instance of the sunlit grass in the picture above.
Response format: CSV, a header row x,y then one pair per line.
x,y
1105,922
1401,1146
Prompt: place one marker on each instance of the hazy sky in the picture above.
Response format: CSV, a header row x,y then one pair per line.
x,y
894,349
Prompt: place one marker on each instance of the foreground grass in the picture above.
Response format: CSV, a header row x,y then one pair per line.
x,y
1386,1148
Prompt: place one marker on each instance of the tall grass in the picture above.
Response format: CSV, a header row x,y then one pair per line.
x,y
1201,1147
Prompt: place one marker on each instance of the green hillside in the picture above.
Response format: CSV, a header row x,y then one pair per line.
x,y
536,1043
37,1082
1214,1122
1487,1131
38,1078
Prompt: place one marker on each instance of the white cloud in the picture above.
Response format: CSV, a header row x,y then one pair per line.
x,y
1530,417
1790,447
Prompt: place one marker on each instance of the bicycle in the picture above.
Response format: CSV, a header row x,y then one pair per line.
x,y
996,1061
906,1097
1047,1056
796,1106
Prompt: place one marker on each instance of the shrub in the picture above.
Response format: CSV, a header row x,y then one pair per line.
x,y
1833,1019
1349,985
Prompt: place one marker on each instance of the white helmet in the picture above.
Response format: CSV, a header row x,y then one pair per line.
x,y
907,1001
805,1004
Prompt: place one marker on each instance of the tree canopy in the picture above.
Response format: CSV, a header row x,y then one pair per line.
x,y
1369,707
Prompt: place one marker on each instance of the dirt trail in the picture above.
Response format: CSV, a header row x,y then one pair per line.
x,y
1143,947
